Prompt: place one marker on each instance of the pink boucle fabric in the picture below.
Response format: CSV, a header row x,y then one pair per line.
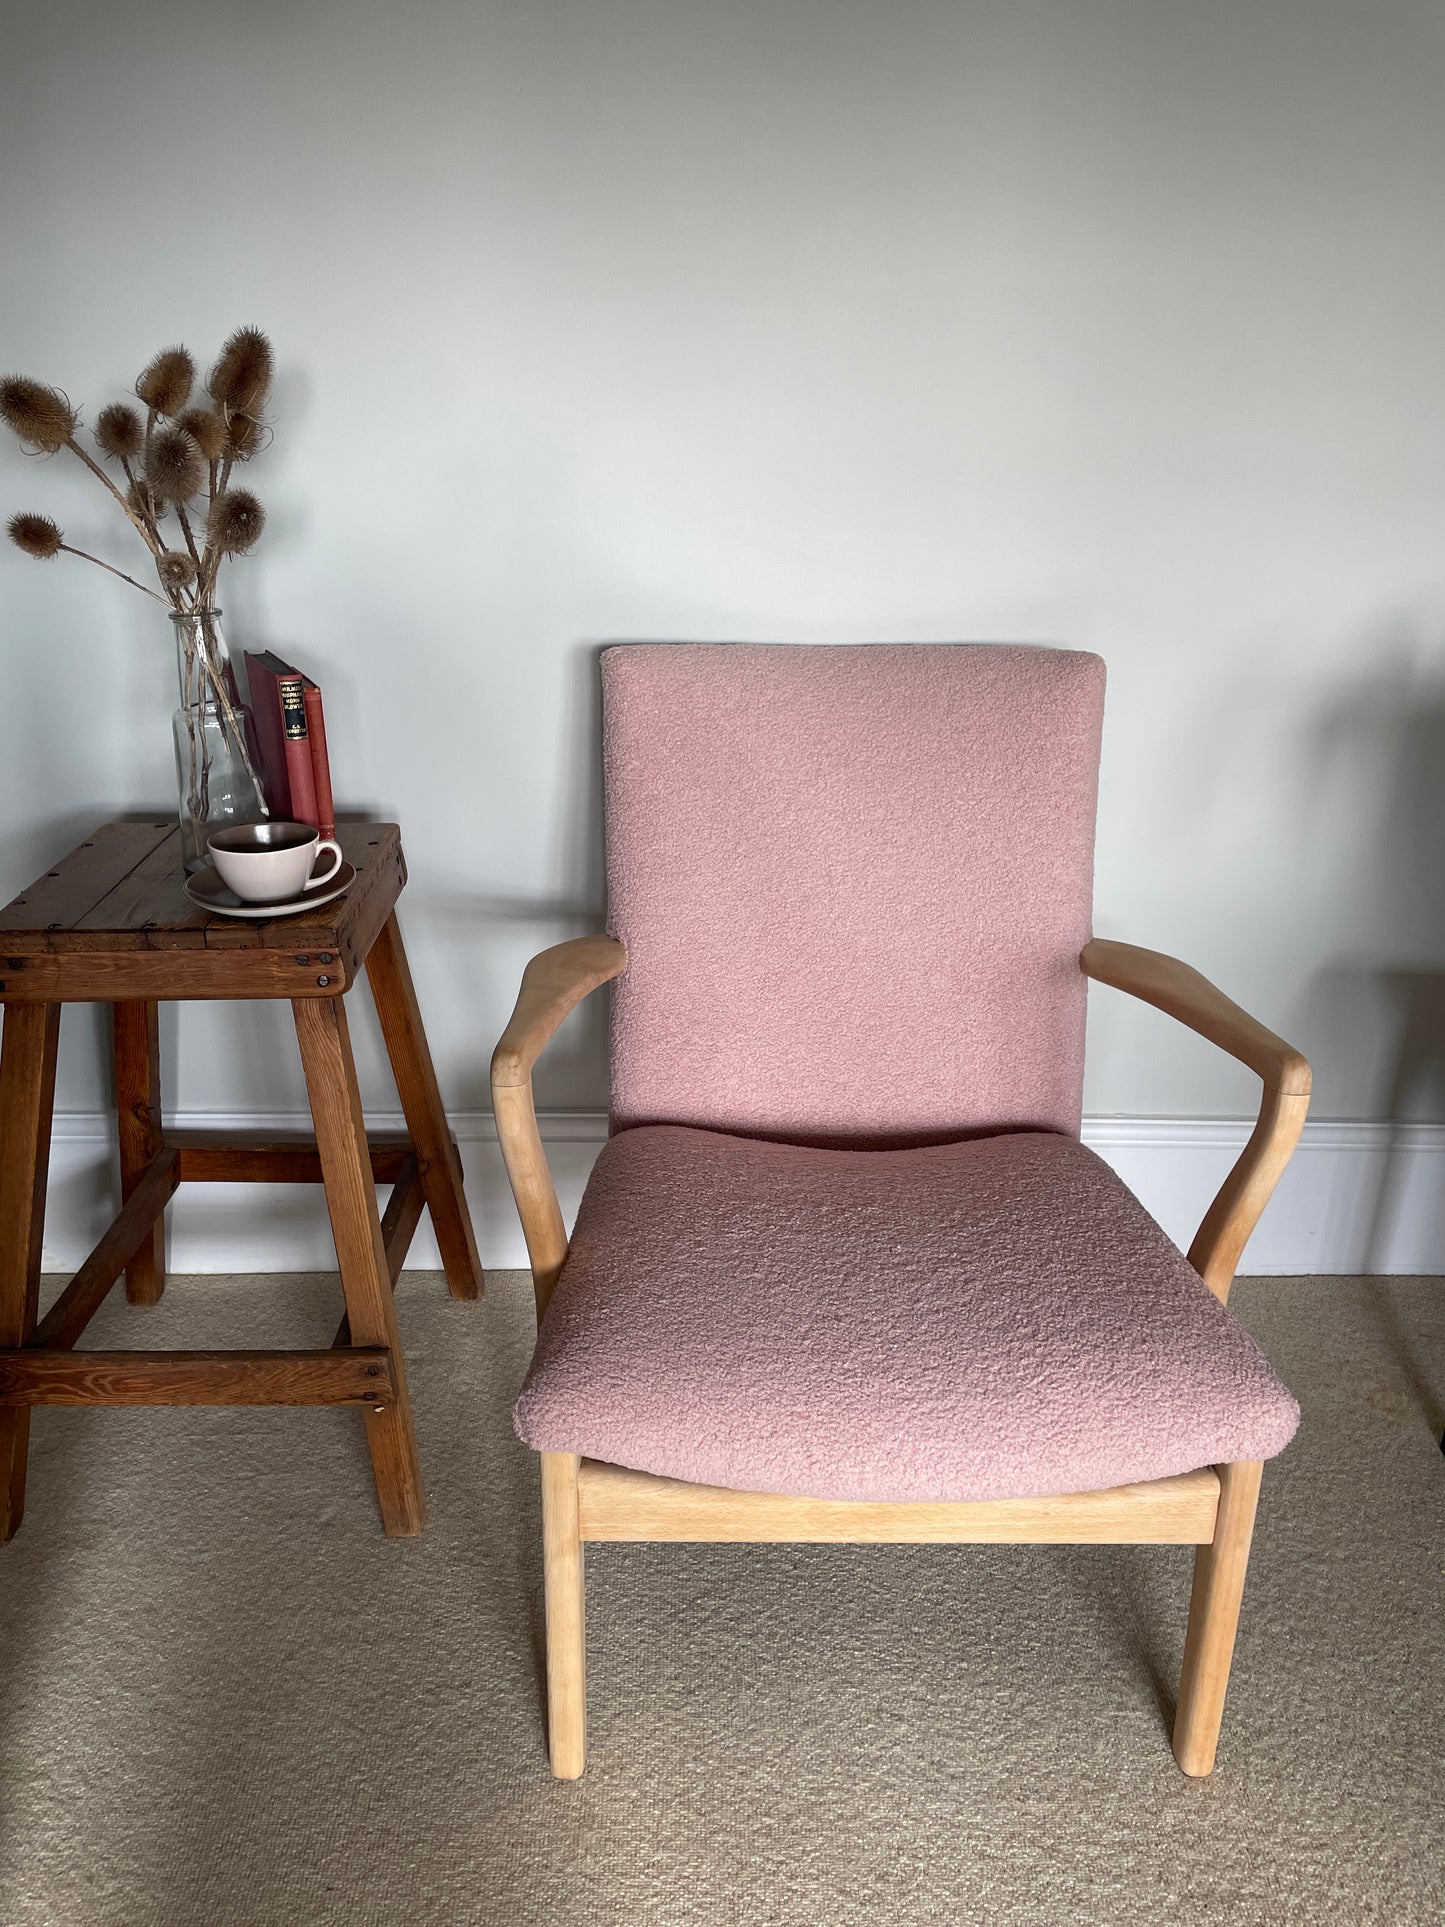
x,y
985,1320
853,883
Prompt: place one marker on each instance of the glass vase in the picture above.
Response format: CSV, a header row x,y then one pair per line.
x,y
216,762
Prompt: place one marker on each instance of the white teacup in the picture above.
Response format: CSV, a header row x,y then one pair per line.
x,y
272,862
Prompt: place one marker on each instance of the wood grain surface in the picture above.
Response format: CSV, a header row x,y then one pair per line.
x,y
616,1503
348,1377
27,1098
111,923
73,1310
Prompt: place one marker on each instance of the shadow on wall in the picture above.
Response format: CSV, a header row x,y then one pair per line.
x,y
1407,1232
1394,1005
1416,1097
476,928
1377,798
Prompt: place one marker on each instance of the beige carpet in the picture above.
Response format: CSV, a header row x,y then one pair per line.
x,y
226,1697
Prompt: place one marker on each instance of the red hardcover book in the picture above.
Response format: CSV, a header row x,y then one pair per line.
x,y
320,764
292,691
262,673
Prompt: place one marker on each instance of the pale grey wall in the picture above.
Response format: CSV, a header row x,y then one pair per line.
x,y
1118,323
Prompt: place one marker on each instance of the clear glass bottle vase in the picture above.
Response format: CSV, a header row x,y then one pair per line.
x,y
216,764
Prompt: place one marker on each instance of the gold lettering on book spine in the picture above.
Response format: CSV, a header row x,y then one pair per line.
x,y
293,710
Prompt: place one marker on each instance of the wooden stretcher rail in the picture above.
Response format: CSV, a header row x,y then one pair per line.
x,y
40,1377
615,1503
209,1159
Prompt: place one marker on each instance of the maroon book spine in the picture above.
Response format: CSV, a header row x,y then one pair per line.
x,y
270,736
320,763
298,749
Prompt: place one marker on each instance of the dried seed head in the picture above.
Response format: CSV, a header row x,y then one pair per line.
x,y
207,428
175,569
236,521
119,432
241,377
41,417
165,383
246,434
37,535
175,467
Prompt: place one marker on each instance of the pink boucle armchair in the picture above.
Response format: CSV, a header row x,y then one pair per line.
x,y
844,1270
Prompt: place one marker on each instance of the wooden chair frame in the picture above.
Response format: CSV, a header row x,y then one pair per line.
x,y
1212,1509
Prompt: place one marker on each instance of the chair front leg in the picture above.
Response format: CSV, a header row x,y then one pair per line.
x,y
1219,1570
566,1622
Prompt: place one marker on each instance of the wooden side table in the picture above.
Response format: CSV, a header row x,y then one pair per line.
x,y
111,923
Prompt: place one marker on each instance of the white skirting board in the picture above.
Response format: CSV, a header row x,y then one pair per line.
x,y
1357,1197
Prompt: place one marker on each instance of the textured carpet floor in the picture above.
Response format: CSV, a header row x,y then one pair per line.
x,y
225,1697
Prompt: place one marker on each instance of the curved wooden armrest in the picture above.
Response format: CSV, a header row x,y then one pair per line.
x,y
1173,987
554,982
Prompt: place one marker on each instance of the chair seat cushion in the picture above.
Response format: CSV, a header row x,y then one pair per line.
x,y
993,1319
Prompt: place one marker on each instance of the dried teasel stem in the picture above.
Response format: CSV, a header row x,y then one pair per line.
x,y
141,497
87,557
202,620
43,538
194,758
152,543
211,560
190,539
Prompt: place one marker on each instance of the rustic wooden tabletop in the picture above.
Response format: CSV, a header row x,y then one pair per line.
x,y
112,920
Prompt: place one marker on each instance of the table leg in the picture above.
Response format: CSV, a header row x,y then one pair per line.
x,y
27,1100
391,987
136,1028
325,1040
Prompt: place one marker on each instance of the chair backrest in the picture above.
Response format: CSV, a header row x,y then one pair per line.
x,y
853,883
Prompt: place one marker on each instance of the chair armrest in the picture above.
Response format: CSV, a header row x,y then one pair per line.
x,y
1173,987
553,983
1182,993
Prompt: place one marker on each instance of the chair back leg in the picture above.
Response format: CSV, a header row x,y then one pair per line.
x,y
566,1623
1219,1570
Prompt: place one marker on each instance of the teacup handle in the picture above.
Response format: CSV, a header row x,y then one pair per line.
x,y
336,862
